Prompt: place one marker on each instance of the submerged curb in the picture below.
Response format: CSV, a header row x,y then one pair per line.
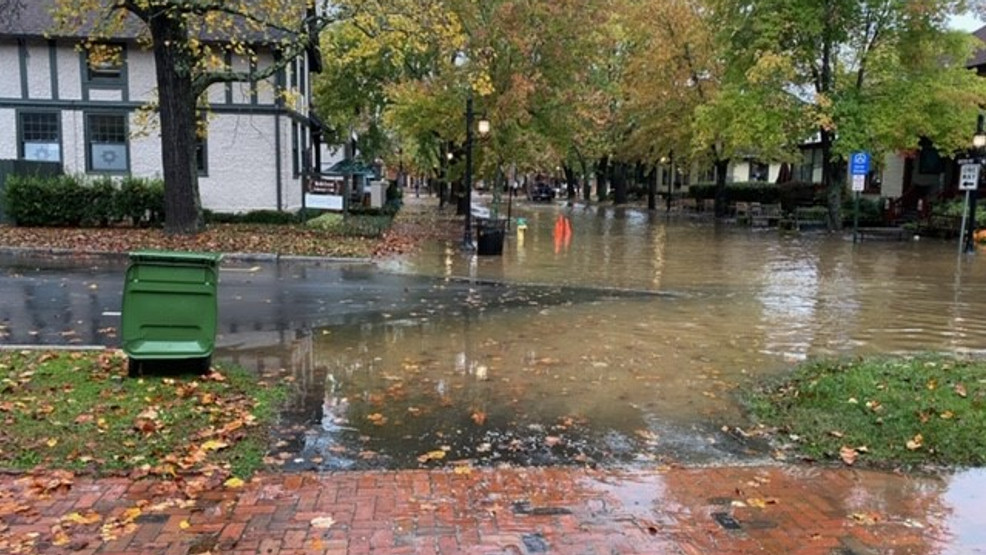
x,y
234,256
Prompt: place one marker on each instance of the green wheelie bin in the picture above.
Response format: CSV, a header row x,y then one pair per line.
x,y
170,308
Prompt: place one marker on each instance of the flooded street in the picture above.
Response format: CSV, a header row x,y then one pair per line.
x,y
636,355
623,344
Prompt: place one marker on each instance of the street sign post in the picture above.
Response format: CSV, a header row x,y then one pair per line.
x,y
968,182
859,168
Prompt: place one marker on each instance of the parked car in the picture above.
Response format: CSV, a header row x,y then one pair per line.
x,y
542,193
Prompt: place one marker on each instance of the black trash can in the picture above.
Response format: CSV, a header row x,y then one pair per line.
x,y
489,236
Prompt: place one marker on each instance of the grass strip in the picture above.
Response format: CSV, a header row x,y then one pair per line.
x,y
925,410
78,411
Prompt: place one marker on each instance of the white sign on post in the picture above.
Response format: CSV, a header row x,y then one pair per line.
x,y
969,177
858,183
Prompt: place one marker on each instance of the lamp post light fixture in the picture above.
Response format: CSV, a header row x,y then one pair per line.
x,y
483,128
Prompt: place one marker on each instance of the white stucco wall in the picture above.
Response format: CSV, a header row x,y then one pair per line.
x,y
8,134
10,83
217,94
38,71
73,142
105,95
141,77
69,72
145,151
241,164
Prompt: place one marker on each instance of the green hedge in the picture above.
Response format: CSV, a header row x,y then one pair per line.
x,y
79,201
266,217
352,225
788,195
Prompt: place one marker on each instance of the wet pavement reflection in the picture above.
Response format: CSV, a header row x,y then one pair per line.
x,y
622,344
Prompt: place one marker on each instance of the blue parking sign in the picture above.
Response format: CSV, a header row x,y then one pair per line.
x,y
859,163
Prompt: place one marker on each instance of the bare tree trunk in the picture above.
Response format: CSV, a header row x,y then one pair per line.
x,y
176,100
571,182
833,188
652,188
619,183
602,179
722,166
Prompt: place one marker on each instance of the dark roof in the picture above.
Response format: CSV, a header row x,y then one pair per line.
x,y
979,56
32,19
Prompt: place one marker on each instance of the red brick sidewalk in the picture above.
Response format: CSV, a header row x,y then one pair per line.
x,y
556,510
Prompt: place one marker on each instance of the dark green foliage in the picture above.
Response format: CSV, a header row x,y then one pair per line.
x,y
753,191
141,200
76,201
265,217
870,211
363,225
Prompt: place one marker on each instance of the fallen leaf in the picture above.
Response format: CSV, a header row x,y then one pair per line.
x,y
233,482
479,417
436,455
960,390
184,525
756,502
82,519
848,455
866,519
323,522
947,415
214,445
916,443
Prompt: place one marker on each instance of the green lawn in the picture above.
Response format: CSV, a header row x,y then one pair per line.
x,y
78,411
886,412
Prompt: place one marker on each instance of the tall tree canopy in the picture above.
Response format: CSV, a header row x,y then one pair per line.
x,y
874,75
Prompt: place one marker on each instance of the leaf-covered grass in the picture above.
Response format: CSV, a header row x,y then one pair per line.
x,y
906,411
224,238
78,411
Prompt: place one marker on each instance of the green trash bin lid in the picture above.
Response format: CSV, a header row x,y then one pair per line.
x,y
204,258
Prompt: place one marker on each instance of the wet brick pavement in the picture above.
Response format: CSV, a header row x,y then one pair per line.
x,y
493,511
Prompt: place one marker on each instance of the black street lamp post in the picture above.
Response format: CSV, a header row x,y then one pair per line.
x,y
467,229
484,128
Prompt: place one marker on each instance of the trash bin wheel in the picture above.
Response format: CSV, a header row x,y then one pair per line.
x,y
133,368
205,365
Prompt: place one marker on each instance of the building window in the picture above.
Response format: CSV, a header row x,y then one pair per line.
x,y
302,70
106,142
202,146
104,63
294,149
40,137
759,171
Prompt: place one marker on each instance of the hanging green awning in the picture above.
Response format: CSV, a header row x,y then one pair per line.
x,y
351,167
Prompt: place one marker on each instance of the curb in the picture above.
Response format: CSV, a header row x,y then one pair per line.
x,y
233,256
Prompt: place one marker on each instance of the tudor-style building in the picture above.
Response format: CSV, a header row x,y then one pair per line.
x,y
57,106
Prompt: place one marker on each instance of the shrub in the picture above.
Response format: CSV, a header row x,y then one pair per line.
x,y
746,191
870,211
353,225
141,200
266,217
70,200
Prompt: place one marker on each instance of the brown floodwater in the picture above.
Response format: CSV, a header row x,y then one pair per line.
x,y
624,343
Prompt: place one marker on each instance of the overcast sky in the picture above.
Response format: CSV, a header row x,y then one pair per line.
x,y
966,23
